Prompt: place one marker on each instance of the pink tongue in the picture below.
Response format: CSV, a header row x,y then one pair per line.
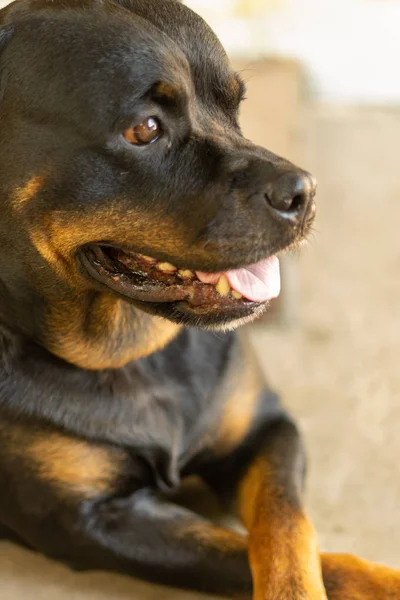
x,y
258,283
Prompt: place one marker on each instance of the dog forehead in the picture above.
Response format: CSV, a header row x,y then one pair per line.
x,y
88,63
209,63
95,38
148,38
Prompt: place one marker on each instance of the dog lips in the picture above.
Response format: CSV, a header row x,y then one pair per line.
x,y
259,283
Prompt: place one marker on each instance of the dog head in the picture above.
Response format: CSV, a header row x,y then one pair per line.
x,y
124,176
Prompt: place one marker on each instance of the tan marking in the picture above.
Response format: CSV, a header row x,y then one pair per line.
x,y
104,332
167,90
206,535
285,556
283,547
74,466
23,195
257,478
67,464
61,233
347,576
98,331
244,386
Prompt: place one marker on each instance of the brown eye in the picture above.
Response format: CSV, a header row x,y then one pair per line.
x,y
145,133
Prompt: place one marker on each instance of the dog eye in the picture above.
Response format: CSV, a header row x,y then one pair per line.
x,y
145,133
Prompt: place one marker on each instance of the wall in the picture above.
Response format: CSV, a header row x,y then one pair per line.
x,y
349,47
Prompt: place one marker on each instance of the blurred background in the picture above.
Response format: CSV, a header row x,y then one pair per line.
x,y
324,91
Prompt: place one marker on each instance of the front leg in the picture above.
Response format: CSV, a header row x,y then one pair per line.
x,y
269,499
68,499
91,506
260,477
262,480
347,577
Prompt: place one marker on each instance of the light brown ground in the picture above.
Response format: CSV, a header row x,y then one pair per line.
x,y
339,370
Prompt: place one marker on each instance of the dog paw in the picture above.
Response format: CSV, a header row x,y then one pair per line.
x,y
291,587
347,577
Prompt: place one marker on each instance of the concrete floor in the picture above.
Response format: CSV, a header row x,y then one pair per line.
x,y
338,370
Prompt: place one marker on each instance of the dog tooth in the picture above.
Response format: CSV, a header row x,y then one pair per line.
x,y
186,274
167,267
236,295
223,288
147,258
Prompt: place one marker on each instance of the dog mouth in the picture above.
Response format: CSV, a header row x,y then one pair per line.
x,y
146,279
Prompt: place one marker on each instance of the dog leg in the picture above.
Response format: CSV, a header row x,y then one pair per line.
x,y
81,506
88,505
262,481
349,577
164,544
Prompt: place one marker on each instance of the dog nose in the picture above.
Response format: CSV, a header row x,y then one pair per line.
x,y
292,194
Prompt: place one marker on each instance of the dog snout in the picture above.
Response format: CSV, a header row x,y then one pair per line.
x,y
292,195
275,187
286,194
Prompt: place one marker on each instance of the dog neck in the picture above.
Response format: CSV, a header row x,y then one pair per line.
x,y
105,332
92,331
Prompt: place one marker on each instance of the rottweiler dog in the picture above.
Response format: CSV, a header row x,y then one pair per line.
x,y
136,222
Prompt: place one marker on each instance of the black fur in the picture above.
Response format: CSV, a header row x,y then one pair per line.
x,y
93,369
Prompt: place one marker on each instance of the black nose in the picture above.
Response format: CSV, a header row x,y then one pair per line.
x,y
292,194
